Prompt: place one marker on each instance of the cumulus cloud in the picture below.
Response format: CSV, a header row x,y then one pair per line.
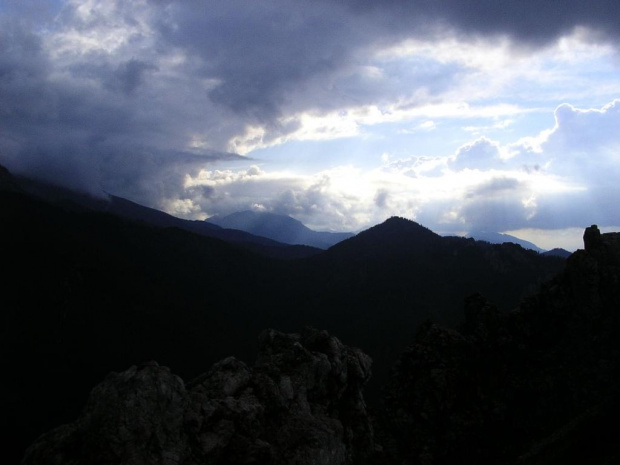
x,y
476,188
582,150
482,153
584,143
563,177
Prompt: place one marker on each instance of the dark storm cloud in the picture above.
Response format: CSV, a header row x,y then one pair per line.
x,y
263,53
532,22
128,76
90,131
125,77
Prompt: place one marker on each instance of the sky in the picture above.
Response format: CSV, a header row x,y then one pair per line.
x,y
499,116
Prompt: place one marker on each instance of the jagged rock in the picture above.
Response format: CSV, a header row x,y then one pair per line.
x,y
301,403
133,417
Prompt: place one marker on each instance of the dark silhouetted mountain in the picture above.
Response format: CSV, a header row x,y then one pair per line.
x,y
394,237
539,385
557,252
7,181
123,208
258,243
87,292
499,238
278,227
301,403
390,278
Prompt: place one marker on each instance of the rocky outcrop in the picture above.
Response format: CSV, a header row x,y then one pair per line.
x,y
537,385
301,403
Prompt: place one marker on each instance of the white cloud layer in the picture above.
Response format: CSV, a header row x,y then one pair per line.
x,y
477,188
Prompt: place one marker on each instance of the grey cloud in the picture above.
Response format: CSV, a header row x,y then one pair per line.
x,y
261,51
308,202
494,187
94,131
274,58
131,74
381,198
125,77
481,153
495,205
151,176
529,21
494,214
199,192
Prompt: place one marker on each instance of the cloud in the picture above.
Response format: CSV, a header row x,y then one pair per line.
x,y
476,188
129,75
584,142
137,98
527,21
582,145
381,198
88,124
482,153
495,187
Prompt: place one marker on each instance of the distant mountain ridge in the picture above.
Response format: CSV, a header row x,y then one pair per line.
x,y
557,252
126,209
500,238
280,228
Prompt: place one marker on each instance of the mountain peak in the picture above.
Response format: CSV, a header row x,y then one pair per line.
x,y
398,224
281,228
394,236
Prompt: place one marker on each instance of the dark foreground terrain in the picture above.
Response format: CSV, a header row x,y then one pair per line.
x,y
536,385
92,287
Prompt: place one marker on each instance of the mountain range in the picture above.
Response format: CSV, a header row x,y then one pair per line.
x,y
123,208
281,228
536,385
499,238
95,285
